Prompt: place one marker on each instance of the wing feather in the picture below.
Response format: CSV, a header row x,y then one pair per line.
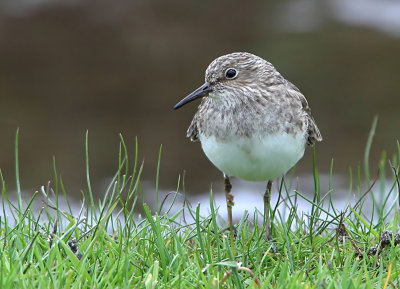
x,y
313,132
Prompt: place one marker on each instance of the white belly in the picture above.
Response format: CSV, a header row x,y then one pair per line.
x,y
255,159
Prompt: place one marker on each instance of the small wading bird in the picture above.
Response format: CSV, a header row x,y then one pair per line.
x,y
252,123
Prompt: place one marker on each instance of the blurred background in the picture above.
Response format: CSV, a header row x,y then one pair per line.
x,y
110,67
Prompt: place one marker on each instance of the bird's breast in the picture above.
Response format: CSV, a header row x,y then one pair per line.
x,y
255,158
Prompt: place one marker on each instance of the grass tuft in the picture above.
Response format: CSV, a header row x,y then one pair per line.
x,y
107,244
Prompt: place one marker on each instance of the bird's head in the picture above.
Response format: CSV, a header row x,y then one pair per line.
x,y
234,75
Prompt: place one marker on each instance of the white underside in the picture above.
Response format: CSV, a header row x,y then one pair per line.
x,y
255,159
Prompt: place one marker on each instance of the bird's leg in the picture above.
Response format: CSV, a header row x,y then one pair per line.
x,y
229,201
267,199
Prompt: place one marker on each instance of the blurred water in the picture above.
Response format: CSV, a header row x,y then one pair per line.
x,y
380,15
248,199
312,15
296,15
21,8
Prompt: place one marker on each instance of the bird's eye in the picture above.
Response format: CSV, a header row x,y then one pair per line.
x,y
230,73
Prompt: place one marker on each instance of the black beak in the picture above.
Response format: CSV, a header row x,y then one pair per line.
x,y
198,93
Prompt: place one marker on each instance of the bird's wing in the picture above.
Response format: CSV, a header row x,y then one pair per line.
x,y
312,130
193,132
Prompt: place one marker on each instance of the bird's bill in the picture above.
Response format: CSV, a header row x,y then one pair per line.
x,y
198,93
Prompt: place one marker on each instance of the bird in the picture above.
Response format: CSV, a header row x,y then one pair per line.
x,y
252,123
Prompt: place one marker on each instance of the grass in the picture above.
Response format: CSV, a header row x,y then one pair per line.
x,y
105,244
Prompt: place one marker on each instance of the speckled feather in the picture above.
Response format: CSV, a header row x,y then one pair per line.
x,y
258,102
